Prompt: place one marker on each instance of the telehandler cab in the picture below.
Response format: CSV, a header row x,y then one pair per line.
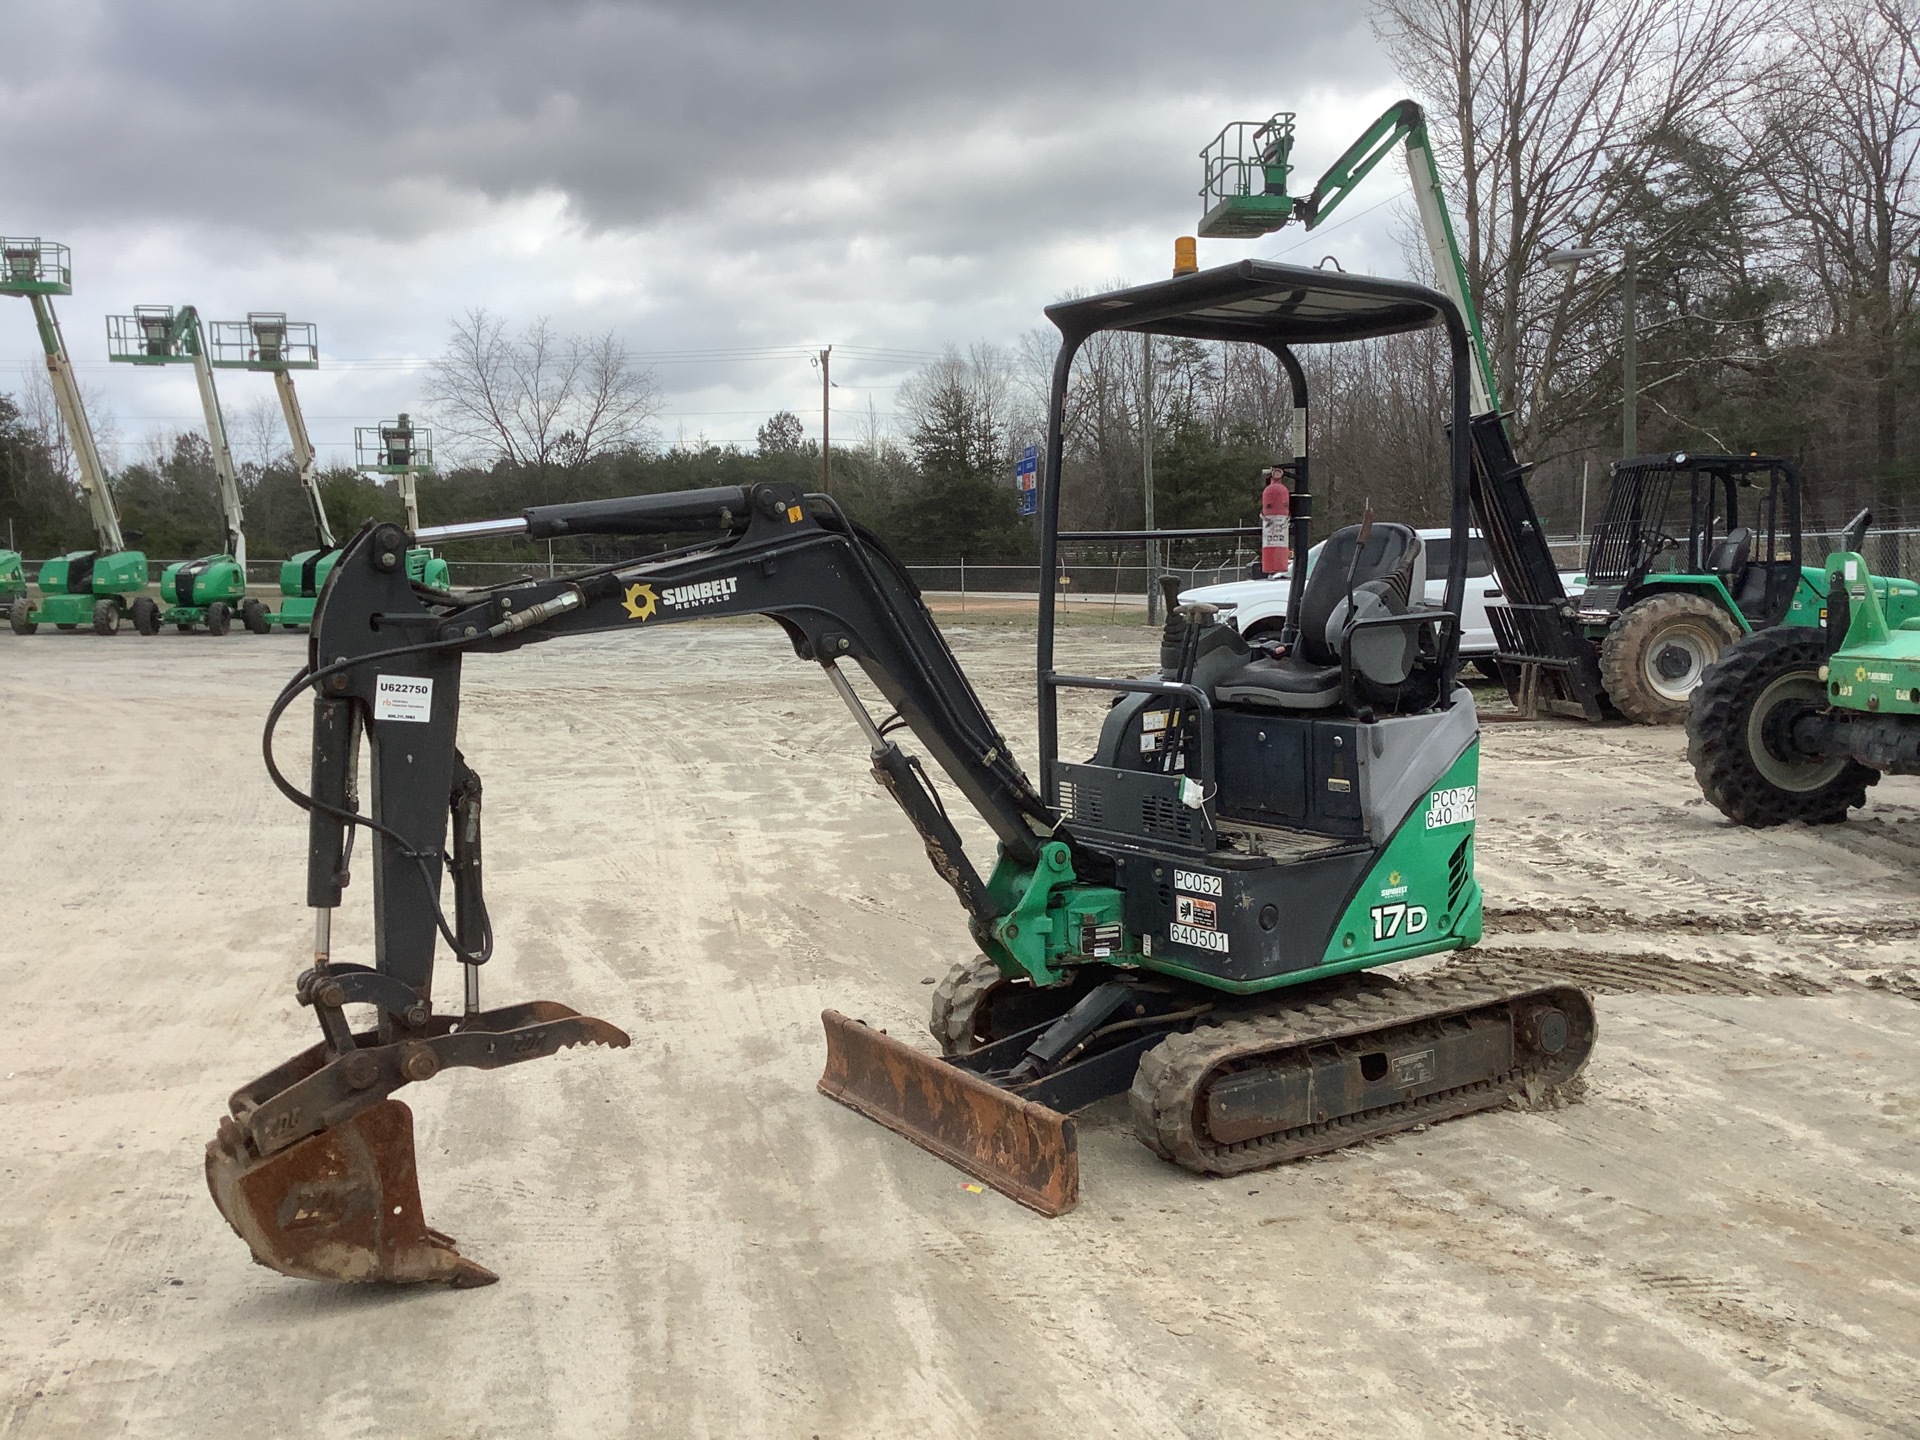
x,y
1179,918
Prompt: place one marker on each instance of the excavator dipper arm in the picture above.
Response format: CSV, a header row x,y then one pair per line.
x,y
314,1165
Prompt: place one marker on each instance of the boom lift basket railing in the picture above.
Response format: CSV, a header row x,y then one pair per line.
x,y
265,340
32,266
1244,193
393,447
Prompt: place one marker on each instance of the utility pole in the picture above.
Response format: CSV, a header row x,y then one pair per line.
x,y
826,420
1629,358
1154,615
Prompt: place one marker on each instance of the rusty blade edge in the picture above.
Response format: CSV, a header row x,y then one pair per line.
x,y
1021,1124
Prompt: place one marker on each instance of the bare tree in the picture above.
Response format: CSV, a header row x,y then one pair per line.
x,y
259,435
539,399
1837,131
1538,109
41,412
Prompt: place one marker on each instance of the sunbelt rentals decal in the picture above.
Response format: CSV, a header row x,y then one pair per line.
x,y
704,592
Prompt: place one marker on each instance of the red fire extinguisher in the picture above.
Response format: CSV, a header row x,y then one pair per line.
x,y
1273,523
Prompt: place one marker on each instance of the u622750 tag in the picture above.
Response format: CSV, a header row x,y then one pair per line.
x,y
403,697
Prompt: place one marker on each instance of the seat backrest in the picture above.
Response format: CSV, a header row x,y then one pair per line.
x,y
1392,553
1730,556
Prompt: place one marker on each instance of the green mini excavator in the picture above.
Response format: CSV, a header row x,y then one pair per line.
x,y
1193,916
96,587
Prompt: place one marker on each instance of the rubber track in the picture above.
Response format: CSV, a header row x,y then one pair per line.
x,y
1166,1093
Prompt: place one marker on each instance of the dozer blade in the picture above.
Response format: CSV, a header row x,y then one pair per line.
x,y
340,1205
1021,1149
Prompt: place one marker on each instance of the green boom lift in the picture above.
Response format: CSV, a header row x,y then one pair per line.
x,y
1244,195
207,591
1794,723
83,586
404,450
267,341
1678,567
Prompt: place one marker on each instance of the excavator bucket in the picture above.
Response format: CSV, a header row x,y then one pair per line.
x,y
1022,1149
340,1205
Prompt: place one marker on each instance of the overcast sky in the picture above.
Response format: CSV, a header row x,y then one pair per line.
x,y
732,176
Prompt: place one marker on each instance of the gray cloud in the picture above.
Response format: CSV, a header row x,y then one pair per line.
x,y
743,172
375,115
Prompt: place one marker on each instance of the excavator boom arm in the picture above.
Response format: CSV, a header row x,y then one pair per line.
x,y
835,591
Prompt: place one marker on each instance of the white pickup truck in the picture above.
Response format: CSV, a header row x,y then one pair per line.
x,y
1260,606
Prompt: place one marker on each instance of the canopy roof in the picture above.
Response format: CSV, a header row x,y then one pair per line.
x,y
1260,302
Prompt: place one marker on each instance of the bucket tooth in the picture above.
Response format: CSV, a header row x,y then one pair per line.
x,y
340,1205
1020,1148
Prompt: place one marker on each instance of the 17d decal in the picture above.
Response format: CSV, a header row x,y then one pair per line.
x,y
1393,921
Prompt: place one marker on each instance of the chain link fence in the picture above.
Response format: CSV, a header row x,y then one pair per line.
x,y
1887,552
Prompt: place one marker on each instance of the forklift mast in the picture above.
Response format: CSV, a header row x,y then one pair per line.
x,y
163,335
39,270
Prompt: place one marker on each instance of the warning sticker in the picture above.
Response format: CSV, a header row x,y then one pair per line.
x,y
1192,911
402,697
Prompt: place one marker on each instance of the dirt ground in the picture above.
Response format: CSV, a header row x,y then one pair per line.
x,y
1720,1239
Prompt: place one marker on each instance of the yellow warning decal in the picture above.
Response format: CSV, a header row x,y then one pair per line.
x,y
793,514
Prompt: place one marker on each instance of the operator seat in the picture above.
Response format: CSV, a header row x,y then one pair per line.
x,y
1730,556
1389,573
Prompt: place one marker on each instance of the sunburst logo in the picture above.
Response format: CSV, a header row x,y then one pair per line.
x,y
640,602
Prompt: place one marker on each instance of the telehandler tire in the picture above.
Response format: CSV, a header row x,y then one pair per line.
x,y
1656,651
253,615
146,616
219,618
1739,705
106,617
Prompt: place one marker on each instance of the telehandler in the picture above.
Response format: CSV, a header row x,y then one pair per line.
x,y
1795,723
1182,918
